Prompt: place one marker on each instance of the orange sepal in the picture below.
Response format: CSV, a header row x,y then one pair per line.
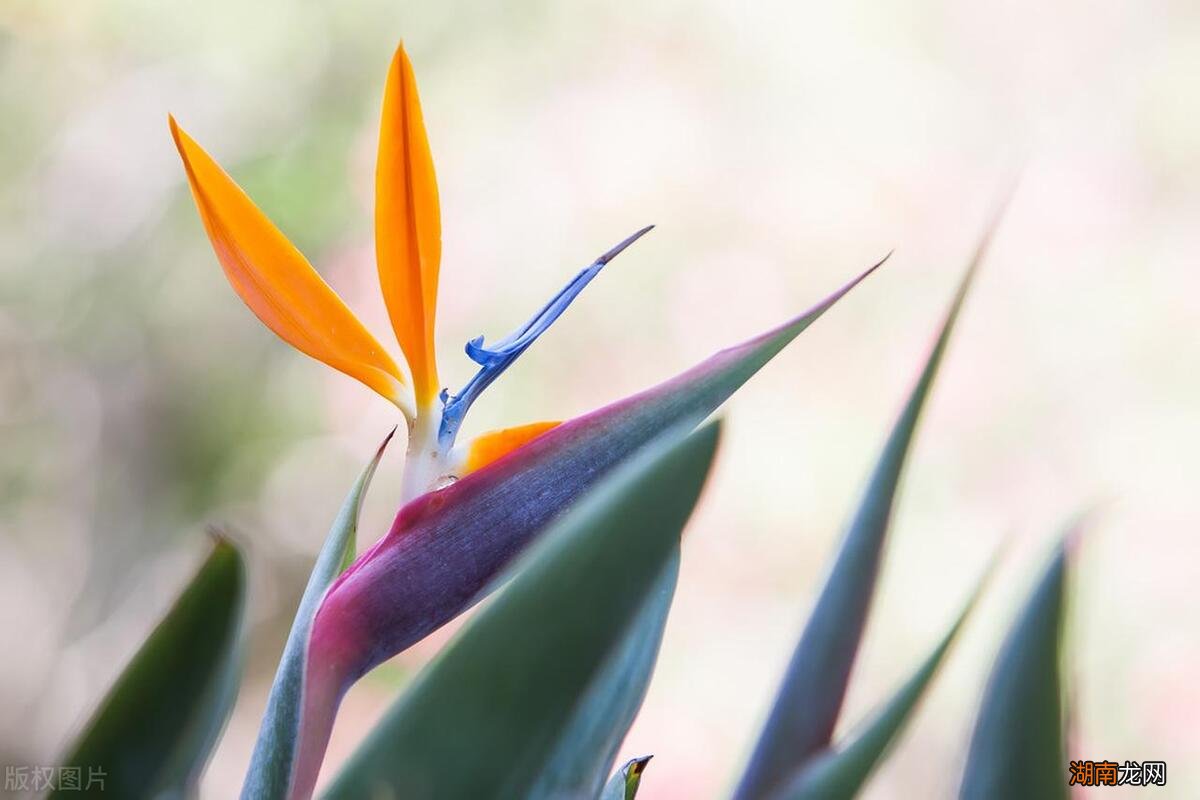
x,y
408,226
277,282
493,445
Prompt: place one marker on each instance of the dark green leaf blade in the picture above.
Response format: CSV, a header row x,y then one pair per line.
x,y
270,772
155,730
806,708
840,771
624,784
500,696
1018,749
588,747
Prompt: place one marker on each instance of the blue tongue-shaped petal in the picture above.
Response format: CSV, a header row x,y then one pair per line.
x,y
495,358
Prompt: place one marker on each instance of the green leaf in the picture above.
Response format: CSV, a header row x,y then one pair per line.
x,y
808,702
1017,749
484,717
624,784
271,764
841,771
155,730
588,747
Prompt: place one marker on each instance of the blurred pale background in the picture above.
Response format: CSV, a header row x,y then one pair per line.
x,y
780,148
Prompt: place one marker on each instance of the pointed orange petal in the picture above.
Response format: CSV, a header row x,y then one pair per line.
x,y
277,282
493,445
408,225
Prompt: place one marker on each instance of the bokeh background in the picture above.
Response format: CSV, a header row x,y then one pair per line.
x,y
780,148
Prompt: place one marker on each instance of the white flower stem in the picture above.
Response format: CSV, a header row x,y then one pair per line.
x,y
425,464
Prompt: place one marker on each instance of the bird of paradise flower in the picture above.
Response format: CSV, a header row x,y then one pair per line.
x,y
281,287
469,510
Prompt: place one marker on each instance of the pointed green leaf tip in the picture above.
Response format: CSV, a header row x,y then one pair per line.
x,y
624,784
808,702
271,764
840,771
156,728
484,717
1017,749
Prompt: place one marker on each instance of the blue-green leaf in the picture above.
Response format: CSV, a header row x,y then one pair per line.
x,y
840,771
483,719
1017,749
155,730
808,702
587,748
271,764
624,784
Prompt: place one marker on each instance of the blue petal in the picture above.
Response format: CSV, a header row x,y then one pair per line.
x,y
494,359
